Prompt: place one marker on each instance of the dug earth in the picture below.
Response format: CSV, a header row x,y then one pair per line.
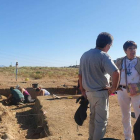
x,y
49,118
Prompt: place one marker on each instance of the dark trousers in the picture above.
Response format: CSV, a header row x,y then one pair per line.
x,y
15,101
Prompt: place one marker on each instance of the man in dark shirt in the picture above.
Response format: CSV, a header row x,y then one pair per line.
x,y
15,97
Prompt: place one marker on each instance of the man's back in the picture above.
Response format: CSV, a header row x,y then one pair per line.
x,y
95,65
17,94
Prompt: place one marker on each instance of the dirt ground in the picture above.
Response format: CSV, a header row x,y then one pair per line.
x,y
17,122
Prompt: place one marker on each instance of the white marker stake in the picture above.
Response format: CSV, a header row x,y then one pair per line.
x,y
16,69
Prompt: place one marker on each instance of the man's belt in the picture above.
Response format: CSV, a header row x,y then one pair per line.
x,y
102,89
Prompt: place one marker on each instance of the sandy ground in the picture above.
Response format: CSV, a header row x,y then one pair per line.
x,y
60,114
16,123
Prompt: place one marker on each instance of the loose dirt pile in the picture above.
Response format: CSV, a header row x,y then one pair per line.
x,y
9,128
15,122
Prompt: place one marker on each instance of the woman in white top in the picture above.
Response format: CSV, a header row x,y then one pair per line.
x,y
133,76
42,92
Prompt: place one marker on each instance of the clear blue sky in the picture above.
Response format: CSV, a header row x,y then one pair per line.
x,y
58,32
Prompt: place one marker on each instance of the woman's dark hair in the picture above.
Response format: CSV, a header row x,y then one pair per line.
x,y
11,88
103,39
129,44
38,89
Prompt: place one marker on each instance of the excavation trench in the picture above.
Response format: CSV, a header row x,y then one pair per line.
x,y
46,118
20,122
53,119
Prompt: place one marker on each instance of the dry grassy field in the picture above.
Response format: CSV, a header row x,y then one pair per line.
x,y
44,76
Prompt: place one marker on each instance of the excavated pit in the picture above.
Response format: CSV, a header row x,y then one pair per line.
x,y
52,119
31,121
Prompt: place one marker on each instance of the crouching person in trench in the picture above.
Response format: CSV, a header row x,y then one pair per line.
x,y
16,97
94,71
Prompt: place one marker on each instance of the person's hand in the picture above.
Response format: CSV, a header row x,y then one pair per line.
x,y
84,93
5,100
111,90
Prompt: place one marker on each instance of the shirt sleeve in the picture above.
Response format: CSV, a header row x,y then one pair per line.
x,y
109,64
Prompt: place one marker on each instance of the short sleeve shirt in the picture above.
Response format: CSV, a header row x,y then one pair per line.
x,y
132,74
96,67
17,94
46,92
